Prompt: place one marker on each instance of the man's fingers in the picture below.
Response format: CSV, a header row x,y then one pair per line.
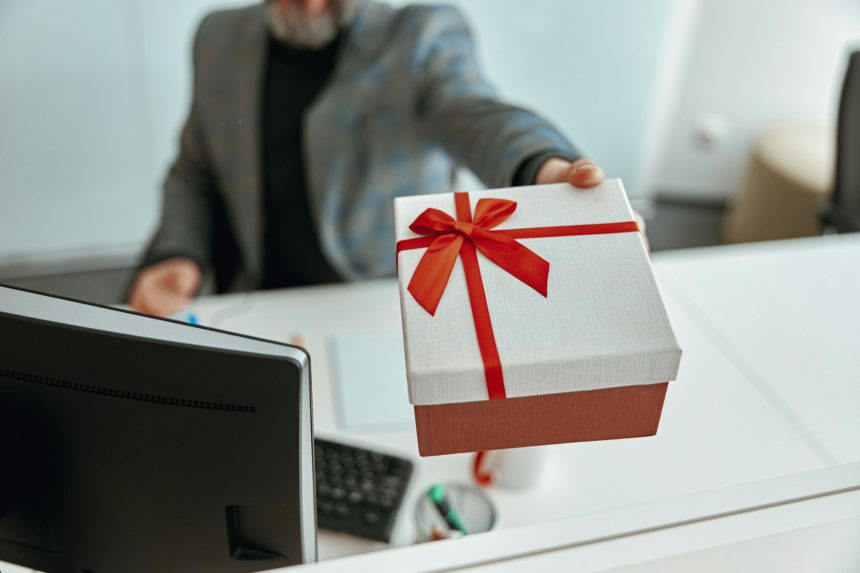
x,y
171,302
174,292
166,287
138,303
585,173
581,173
582,161
162,302
185,280
162,294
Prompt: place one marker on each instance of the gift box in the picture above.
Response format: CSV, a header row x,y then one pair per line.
x,y
531,316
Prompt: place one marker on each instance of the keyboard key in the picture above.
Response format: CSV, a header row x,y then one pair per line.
x,y
386,502
342,511
391,482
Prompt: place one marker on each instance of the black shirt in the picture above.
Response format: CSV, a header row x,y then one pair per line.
x,y
291,246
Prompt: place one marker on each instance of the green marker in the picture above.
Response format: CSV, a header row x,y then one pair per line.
x,y
437,495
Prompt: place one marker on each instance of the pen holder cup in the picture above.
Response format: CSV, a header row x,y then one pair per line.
x,y
474,506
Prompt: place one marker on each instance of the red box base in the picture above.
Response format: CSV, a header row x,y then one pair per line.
x,y
609,414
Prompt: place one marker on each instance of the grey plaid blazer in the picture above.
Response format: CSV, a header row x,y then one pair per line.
x,y
405,104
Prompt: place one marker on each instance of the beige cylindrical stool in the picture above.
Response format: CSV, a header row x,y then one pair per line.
x,y
789,177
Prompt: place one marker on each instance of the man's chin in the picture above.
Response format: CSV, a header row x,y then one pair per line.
x,y
290,25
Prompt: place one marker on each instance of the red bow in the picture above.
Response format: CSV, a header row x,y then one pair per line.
x,y
434,269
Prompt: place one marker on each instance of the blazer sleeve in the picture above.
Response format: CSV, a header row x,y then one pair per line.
x,y
461,112
189,197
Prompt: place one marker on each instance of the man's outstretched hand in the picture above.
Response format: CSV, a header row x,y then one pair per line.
x,y
580,173
166,287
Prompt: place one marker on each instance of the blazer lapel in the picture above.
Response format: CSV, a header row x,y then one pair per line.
x,y
244,193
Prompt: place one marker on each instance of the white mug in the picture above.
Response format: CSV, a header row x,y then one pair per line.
x,y
518,468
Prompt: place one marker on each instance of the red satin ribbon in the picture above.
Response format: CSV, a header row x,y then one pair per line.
x,y
446,238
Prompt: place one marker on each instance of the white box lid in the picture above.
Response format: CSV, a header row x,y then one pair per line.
x,y
602,325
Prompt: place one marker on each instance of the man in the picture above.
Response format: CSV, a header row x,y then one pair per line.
x,y
308,117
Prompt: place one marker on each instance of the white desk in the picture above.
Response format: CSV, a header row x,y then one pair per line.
x,y
723,422
787,314
791,524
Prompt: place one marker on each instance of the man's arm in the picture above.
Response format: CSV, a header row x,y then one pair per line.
x,y
173,263
503,144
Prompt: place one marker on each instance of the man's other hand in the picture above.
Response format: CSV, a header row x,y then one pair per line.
x,y
580,173
166,287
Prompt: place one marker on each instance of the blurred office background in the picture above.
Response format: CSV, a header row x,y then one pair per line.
x,y
691,102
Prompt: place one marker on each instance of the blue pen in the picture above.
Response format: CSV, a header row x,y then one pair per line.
x,y
188,317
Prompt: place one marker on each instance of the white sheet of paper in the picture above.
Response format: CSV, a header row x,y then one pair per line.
x,y
370,374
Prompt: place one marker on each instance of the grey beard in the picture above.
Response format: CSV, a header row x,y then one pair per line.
x,y
291,26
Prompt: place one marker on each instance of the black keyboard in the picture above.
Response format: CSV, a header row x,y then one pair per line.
x,y
359,491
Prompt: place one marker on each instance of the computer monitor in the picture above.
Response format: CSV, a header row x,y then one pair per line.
x,y
135,444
